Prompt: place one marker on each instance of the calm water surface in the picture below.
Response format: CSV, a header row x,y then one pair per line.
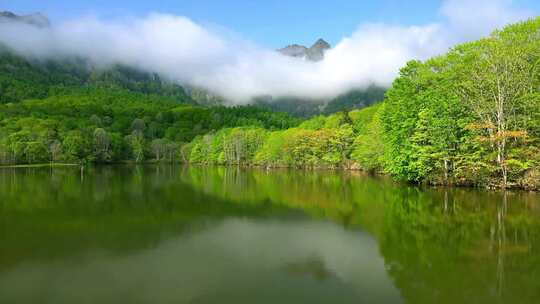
x,y
170,234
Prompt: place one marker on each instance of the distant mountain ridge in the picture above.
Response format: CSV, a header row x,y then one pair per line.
x,y
36,19
314,53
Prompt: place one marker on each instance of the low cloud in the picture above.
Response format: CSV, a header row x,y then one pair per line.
x,y
188,53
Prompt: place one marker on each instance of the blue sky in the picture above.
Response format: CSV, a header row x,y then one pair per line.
x,y
271,23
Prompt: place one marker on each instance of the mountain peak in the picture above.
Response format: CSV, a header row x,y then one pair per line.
x,y
36,19
313,53
321,43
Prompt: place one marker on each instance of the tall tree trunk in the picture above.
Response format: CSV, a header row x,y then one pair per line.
x,y
446,171
501,133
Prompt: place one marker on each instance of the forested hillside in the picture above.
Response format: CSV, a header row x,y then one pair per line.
x,y
306,108
67,110
300,107
470,117
22,78
109,125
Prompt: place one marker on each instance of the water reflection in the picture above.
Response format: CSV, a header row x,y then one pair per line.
x,y
440,245
236,260
216,235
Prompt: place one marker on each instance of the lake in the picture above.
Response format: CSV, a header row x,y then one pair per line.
x,y
179,234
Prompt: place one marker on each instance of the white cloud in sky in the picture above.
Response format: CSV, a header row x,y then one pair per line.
x,y
474,18
225,64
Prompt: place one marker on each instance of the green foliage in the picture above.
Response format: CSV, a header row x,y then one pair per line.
x,y
22,79
361,118
315,123
368,147
228,146
321,148
110,125
467,117
296,147
356,99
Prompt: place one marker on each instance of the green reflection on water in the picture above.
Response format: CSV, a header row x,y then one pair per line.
x,y
161,234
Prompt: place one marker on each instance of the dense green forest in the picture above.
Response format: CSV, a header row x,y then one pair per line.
x,y
109,125
469,117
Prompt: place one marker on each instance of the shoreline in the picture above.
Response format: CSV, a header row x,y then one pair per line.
x,y
489,187
42,165
126,162
271,168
